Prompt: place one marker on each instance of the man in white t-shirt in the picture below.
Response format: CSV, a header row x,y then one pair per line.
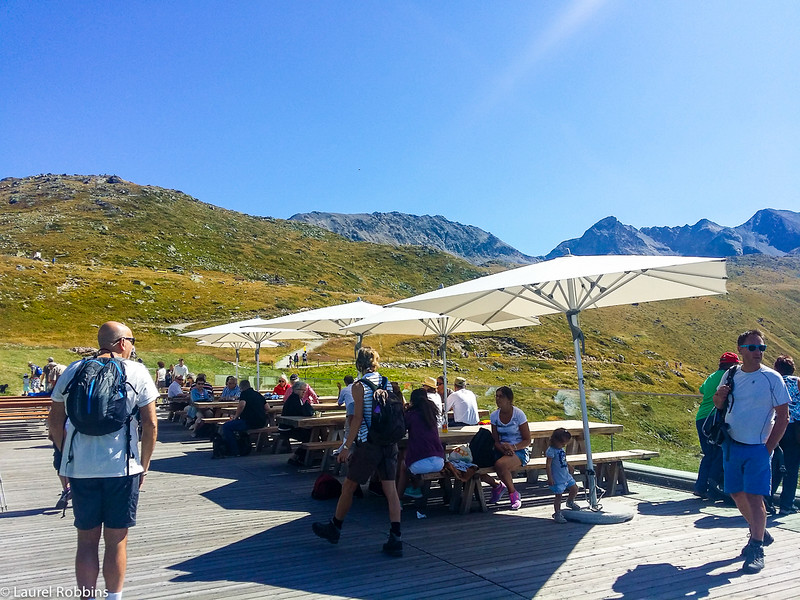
x,y
106,471
757,414
463,403
180,369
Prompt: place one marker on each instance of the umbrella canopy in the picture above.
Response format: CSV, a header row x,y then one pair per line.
x,y
569,285
249,330
329,319
394,320
237,345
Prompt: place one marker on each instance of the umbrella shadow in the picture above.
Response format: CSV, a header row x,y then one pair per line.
x,y
664,580
687,506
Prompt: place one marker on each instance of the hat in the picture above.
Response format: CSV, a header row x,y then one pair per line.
x,y
50,359
429,382
460,382
729,357
294,377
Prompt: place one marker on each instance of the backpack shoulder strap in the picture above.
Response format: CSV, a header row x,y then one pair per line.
x,y
371,385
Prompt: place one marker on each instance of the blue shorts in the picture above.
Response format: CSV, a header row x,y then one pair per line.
x,y
562,487
109,501
747,468
523,455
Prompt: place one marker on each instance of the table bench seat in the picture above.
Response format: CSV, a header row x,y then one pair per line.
x,y
608,469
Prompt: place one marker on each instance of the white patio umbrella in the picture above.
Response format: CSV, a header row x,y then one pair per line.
x,y
569,285
237,345
394,320
329,319
249,330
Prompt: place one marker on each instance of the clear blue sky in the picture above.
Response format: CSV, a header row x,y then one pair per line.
x,y
532,120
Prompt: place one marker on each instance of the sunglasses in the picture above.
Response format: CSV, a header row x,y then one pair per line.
x,y
132,340
754,347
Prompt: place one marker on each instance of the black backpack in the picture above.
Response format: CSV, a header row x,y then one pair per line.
x,y
97,399
482,447
714,426
388,422
219,447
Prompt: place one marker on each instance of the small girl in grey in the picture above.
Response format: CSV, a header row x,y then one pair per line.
x,y
559,473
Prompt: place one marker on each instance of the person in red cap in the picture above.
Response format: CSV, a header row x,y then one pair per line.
x,y
709,475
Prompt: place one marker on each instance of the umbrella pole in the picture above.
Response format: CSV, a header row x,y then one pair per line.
x,y
258,367
444,377
237,363
577,339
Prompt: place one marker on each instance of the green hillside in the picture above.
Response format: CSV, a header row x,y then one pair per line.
x,y
158,259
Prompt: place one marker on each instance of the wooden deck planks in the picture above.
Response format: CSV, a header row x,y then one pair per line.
x,y
240,529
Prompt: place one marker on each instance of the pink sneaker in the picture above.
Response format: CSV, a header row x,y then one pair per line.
x,y
497,493
516,502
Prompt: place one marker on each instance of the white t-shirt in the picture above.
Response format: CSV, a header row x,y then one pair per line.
x,y
464,405
180,370
509,432
105,455
755,396
161,374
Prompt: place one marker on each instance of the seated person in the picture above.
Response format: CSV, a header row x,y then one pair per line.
x,y
293,406
250,414
512,440
178,399
199,393
463,403
424,451
231,391
302,389
283,385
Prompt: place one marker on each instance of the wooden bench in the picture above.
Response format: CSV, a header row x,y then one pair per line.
x,y
609,472
327,449
23,415
268,434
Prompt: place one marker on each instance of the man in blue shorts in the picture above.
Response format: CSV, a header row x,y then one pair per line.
x,y
757,415
106,471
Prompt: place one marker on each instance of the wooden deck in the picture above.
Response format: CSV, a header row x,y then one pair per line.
x,y
240,528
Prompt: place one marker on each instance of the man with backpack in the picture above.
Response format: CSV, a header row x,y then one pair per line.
x,y
371,447
105,398
756,405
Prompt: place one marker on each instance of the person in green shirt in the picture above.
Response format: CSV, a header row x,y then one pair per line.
x,y
709,475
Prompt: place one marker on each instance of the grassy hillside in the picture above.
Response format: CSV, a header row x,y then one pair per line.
x,y
158,259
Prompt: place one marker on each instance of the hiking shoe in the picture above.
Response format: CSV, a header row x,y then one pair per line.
x,y
516,501
497,493
572,505
753,558
64,499
413,492
559,518
327,531
768,539
394,546
787,511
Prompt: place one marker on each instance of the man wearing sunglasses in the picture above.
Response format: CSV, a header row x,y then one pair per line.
x,y
105,477
757,415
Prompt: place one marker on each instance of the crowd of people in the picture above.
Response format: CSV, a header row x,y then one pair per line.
x,y
759,455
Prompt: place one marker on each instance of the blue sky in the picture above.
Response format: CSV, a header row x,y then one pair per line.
x,y
532,120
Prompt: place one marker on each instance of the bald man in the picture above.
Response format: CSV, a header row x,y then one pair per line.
x,y
104,476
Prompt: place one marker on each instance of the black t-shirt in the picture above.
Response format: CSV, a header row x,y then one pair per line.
x,y
253,413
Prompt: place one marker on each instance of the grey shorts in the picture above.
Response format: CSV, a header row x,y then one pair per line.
x,y
368,458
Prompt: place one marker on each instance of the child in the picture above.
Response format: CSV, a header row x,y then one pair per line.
x,y
559,473
26,384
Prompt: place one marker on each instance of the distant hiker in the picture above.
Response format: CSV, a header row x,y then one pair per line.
x,y
161,376
296,359
107,470
709,475
305,357
757,414
180,369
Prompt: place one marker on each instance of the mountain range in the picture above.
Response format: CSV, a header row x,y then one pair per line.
x,y
769,231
